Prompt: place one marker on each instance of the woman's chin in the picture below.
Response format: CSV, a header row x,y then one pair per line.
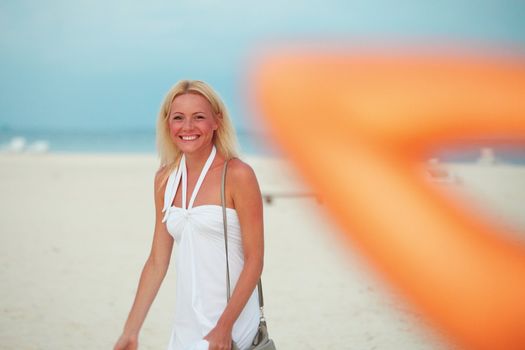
x,y
191,147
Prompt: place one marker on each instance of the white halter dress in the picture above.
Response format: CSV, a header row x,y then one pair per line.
x,y
200,262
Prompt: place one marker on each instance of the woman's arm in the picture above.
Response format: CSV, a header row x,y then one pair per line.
x,y
152,274
246,195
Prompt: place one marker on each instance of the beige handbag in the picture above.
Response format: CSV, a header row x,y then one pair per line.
x,y
261,341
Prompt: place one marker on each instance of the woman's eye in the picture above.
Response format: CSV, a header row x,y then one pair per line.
x,y
200,116
176,117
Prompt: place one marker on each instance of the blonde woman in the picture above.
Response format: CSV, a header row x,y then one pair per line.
x,y
195,137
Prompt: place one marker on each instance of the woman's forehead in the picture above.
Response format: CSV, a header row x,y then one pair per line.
x,y
190,101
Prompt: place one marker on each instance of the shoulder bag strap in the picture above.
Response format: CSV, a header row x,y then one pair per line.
x,y
225,223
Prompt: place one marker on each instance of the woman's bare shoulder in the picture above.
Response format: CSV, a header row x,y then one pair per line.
x,y
240,170
242,175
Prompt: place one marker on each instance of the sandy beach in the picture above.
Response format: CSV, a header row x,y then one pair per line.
x,y
76,229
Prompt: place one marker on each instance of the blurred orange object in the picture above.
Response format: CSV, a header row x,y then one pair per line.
x,y
358,125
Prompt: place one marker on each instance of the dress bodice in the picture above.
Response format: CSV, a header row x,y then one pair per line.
x,y
200,261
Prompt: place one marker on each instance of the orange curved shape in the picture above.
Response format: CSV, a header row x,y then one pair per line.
x,y
357,126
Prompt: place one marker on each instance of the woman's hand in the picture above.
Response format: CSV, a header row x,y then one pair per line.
x,y
127,342
220,338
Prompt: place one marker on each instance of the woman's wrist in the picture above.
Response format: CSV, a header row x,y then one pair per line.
x,y
225,322
131,332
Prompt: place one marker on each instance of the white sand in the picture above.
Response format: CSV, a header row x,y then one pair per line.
x,y
75,231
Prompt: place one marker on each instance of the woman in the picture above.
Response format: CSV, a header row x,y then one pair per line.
x,y
195,137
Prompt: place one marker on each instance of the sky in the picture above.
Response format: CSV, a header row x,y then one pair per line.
x,y
108,64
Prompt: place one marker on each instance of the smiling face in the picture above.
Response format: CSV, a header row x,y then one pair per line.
x,y
192,123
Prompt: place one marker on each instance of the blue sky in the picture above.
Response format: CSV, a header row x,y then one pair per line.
x,y
107,64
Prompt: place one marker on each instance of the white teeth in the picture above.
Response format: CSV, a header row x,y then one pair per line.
x,y
189,138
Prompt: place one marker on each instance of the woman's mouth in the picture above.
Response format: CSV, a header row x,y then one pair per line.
x,y
189,137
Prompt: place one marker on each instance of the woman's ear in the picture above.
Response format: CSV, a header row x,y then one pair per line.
x,y
218,120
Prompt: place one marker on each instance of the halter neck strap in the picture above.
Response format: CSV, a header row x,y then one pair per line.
x,y
181,173
203,173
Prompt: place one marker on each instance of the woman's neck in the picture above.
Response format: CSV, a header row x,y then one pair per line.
x,y
195,161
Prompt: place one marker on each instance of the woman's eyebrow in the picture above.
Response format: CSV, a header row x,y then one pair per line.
x,y
175,112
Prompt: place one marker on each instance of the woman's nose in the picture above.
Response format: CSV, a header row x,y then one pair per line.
x,y
188,124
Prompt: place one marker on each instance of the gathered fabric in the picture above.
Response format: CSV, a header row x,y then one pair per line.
x,y
200,294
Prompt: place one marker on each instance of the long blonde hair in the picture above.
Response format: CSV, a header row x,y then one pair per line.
x,y
224,137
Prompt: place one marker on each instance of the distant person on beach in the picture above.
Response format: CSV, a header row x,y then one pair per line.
x,y
195,138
